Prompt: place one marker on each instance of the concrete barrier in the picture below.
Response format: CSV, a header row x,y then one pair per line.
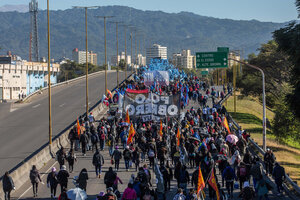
x,y
20,173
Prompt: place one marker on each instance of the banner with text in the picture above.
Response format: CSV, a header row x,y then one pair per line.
x,y
150,106
161,77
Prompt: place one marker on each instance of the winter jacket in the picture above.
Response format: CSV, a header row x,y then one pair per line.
x,y
8,183
98,159
117,155
63,176
35,176
52,179
129,194
261,187
82,180
278,172
256,170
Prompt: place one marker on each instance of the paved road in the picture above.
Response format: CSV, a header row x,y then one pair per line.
x,y
24,127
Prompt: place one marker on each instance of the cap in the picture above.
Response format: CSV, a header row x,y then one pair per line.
x,y
63,167
53,169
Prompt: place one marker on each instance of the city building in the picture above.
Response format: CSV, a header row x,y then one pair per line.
x,y
156,51
234,55
141,60
22,78
80,57
115,60
184,59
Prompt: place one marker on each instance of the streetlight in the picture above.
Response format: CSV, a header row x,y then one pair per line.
x,y
132,28
105,65
125,26
117,51
264,99
86,58
49,80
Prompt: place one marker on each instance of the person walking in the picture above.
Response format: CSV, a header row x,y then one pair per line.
x,y
61,156
262,189
269,160
279,176
98,161
110,177
127,157
82,179
35,179
71,158
129,193
110,195
116,155
256,171
8,185
84,141
62,178
52,182
229,176
247,192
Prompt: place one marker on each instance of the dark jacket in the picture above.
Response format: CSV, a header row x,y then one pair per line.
x,y
35,176
82,180
110,177
117,155
52,179
278,172
98,159
63,176
8,183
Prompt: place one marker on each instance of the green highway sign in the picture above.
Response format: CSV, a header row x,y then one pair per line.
x,y
211,60
204,72
223,49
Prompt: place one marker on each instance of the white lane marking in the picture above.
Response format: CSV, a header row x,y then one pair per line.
x,y
62,105
36,106
46,173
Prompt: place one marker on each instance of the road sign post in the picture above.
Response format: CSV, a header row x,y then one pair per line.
x,y
212,60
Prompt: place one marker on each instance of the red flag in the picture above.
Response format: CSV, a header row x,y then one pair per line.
x,y
78,127
178,137
213,183
225,124
127,118
201,183
161,129
130,135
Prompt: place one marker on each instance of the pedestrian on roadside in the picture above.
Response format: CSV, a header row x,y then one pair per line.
x,y
94,140
279,176
116,155
8,185
82,179
262,189
102,138
63,195
62,178
84,141
129,193
98,161
269,160
61,156
52,182
110,195
35,179
72,136
256,171
110,177
179,195
229,176
247,192
127,157
71,158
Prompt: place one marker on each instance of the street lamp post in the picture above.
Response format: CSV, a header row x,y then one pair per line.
x,y
86,59
117,52
264,99
49,78
105,57
125,26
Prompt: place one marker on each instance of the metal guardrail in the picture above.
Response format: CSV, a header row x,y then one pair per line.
x,y
261,151
59,134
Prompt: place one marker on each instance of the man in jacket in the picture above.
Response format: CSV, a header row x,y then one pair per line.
x,y
279,176
256,171
110,177
62,178
8,185
116,155
127,157
98,161
269,160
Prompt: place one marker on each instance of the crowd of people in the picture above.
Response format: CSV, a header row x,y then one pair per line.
x,y
173,148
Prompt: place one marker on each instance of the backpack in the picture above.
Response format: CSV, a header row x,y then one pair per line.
x,y
151,153
94,138
102,136
243,171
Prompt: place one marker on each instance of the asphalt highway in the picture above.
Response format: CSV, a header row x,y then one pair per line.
x,y
24,127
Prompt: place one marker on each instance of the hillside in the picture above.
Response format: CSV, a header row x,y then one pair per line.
x,y
174,30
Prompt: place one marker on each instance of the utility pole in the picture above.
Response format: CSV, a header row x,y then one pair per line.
x,y
125,26
117,43
131,55
135,49
49,80
86,59
105,56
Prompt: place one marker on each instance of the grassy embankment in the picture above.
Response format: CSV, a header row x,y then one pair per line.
x,y
249,116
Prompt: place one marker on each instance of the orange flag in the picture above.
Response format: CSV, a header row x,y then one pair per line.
x,y
161,129
213,183
109,94
225,124
201,183
78,127
178,137
127,118
130,135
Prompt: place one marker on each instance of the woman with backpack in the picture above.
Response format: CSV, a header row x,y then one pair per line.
x,y
35,179
229,176
242,174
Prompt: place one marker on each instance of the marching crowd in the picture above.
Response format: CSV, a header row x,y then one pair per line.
x,y
191,149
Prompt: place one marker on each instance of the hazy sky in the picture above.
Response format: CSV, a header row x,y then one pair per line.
x,y
262,10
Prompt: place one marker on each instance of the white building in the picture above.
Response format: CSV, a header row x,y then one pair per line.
x,y
156,51
115,60
235,56
80,57
184,59
22,77
141,60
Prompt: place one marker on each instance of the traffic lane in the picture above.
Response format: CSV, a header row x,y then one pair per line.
x,y
26,130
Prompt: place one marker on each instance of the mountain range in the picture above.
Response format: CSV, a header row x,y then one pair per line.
x,y
177,31
10,8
